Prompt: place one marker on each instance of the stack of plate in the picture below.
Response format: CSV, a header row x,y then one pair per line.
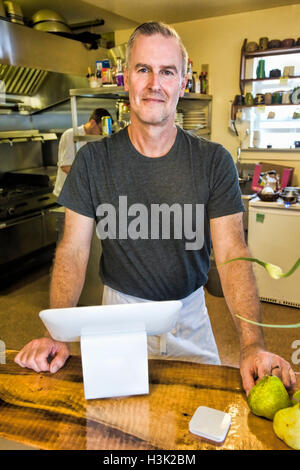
x,y
194,120
179,119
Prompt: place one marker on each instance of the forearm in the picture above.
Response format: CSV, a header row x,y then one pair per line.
x,y
240,291
66,168
68,276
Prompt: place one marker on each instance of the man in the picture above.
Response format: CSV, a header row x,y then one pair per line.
x,y
66,150
148,164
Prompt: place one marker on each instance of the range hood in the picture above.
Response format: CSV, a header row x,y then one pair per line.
x,y
42,66
25,47
21,80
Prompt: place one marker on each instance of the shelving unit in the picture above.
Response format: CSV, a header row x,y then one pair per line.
x,y
260,115
13,137
245,55
190,102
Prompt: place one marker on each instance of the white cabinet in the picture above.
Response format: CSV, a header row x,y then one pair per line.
x,y
273,236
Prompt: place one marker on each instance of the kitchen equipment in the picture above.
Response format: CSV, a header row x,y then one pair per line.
x,y
268,98
193,120
52,27
47,15
295,98
288,70
286,97
256,139
268,197
25,222
285,175
263,43
274,44
2,10
296,189
259,98
249,101
276,97
288,42
50,21
260,70
273,236
290,195
14,12
251,46
117,52
238,100
275,73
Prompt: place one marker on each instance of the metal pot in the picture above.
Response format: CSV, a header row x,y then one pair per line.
x,y
290,194
52,27
50,21
47,15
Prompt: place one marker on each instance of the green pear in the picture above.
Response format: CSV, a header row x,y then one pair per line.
x,y
268,396
286,425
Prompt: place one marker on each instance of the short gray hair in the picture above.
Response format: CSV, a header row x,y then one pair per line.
x,y
157,27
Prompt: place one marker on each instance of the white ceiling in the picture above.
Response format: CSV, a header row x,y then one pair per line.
x,y
126,14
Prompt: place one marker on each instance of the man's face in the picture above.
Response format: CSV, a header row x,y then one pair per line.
x,y
154,79
94,127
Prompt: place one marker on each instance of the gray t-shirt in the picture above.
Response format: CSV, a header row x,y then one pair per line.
x,y
195,173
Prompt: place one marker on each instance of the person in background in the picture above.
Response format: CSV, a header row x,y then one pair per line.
x,y
153,162
66,148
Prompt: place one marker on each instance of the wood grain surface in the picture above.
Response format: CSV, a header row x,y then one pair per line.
x,y
49,411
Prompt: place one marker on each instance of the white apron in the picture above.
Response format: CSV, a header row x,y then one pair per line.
x,y
192,340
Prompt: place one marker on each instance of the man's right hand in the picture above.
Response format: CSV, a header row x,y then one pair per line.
x,y
35,355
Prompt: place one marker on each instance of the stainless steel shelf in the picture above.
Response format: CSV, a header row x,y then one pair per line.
x,y
11,137
116,91
87,138
100,92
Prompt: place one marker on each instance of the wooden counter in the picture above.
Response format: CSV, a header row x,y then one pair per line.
x,y
49,411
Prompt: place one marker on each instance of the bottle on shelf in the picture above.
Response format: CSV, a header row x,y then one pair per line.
x,y
119,72
189,83
99,72
197,83
92,79
203,82
105,71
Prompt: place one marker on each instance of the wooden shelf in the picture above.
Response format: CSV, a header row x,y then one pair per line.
x,y
268,79
263,105
270,52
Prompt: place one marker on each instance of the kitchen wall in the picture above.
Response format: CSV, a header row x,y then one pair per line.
x,y
217,42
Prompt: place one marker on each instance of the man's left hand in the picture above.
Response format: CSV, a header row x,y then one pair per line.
x,y
256,363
